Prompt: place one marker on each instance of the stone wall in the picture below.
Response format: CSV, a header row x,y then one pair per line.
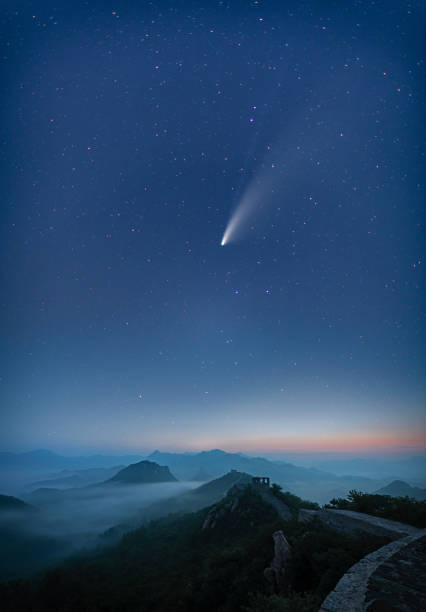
x,y
282,509
350,522
390,579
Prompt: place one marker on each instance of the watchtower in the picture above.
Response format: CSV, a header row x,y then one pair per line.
x,y
261,481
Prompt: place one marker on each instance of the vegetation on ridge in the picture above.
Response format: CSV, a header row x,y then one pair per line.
x,y
403,509
293,502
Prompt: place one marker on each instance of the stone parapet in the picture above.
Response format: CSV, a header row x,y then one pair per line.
x,y
350,522
390,579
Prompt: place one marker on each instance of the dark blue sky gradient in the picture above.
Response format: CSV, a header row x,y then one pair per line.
x,y
130,132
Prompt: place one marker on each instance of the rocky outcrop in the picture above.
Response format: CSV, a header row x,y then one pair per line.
x,y
390,579
350,522
218,512
275,574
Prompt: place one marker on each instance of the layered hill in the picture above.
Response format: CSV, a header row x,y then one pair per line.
x,y
47,460
399,488
77,478
143,472
217,462
205,495
13,504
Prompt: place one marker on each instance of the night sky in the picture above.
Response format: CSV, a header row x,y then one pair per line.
x,y
131,132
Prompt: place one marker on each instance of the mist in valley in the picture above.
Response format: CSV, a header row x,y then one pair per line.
x,y
56,519
91,510
56,524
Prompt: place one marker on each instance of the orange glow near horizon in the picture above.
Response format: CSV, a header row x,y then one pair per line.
x,y
337,443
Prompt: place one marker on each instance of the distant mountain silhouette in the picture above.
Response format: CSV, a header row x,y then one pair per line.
x,y
204,495
46,460
46,496
217,462
13,504
143,472
399,488
202,476
376,467
80,478
220,486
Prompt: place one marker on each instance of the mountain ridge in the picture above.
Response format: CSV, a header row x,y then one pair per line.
x,y
48,460
218,462
400,488
142,472
9,503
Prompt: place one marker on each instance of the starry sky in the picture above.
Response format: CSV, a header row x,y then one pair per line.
x,y
133,134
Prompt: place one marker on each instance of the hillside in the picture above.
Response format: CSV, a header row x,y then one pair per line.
x,y
22,550
399,488
13,504
220,558
47,496
201,476
204,495
141,473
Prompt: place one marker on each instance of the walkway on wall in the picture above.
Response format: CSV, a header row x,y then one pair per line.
x,y
281,508
391,579
349,521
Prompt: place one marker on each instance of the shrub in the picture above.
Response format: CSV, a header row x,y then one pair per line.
x,y
403,509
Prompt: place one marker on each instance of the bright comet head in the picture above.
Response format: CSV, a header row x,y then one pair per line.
x,y
252,201
228,232
225,236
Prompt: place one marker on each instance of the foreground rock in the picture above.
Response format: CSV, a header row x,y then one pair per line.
x,y
275,574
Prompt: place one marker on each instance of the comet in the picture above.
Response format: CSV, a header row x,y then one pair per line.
x,y
262,190
239,220
257,194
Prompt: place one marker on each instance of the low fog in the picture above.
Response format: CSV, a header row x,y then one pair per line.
x,y
92,510
62,518
60,523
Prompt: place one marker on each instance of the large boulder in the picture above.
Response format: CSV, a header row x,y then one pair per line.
x,y
275,574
